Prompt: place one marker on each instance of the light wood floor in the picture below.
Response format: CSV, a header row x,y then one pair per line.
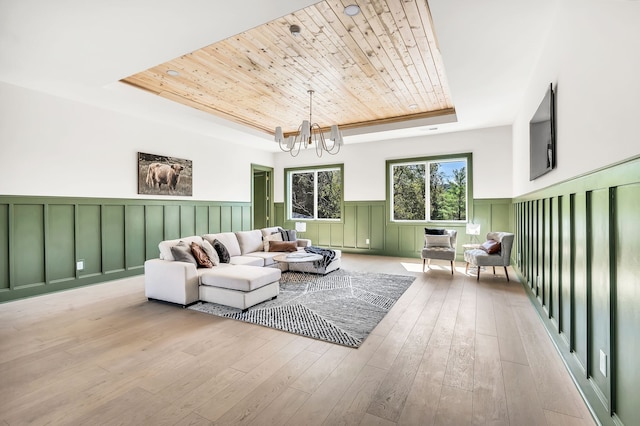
x,y
452,351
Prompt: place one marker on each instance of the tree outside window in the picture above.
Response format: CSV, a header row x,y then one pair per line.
x,y
315,194
440,195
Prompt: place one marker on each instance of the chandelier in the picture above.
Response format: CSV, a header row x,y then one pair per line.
x,y
308,134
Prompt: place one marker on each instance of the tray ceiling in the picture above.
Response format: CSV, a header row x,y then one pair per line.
x,y
380,66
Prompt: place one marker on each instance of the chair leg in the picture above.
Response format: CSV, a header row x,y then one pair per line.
x,y
494,270
452,267
466,268
423,262
428,263
478,279
506,273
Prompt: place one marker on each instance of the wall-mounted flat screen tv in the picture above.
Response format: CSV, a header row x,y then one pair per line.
x,y
542,137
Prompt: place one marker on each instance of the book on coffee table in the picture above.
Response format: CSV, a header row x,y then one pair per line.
x,y
299,255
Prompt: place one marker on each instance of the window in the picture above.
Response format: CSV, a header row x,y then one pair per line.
x,y
315,193
439,195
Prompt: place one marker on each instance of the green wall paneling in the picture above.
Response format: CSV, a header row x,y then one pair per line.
x,y
581,235
113,236
225,219
599,288
4,246
237,219
580,279
215,219
154,230
187,220
89,239
337,236
323,236
363,222
172,222
377,228
626,312
350,226
28,236
113,239
247,218
135,238
202,220
60,249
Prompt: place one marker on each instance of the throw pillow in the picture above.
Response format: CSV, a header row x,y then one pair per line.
x,y
490,246
286,246
181,252
273,237
200,255
222,251
437,241
434,231
211,252
288,235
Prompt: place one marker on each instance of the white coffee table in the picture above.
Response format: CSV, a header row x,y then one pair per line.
x,y
306,261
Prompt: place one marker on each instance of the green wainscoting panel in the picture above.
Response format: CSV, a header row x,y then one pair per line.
x,y
172,222
323,236
215,219
28,234
135,239
89,239
627,303
337,236
4,246
580,279
113,239
599,288
363,221
407,243
202,220
377,227
154,230
236,219
60,250
247,218
582,235
226,219
42,238
187,220
350,226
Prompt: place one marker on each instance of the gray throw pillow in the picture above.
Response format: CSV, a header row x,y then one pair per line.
x,y
288,234
181,252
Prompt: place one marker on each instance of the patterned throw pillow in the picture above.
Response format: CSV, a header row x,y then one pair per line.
x,y
490,246
181,252
437,241
288,234
285,246
211,252
276,236
222,251
200,255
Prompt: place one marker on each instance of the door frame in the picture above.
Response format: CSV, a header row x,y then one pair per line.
x,y
270,204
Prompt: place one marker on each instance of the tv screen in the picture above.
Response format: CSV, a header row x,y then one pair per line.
x,y
542,140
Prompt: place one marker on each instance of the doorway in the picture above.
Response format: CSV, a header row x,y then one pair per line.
x,y
261,196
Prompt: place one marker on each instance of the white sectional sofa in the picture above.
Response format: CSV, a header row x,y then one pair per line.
x,y
251,276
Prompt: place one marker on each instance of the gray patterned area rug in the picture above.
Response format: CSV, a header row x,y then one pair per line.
x,y
341,307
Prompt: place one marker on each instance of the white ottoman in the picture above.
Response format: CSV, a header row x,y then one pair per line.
x,y
239,286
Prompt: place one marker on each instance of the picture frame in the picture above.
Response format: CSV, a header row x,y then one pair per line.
x,y
164,175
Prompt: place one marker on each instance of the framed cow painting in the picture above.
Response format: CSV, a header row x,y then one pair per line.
x,y
162,175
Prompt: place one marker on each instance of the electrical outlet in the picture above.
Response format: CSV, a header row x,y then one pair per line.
x,y
80,265
603,363
367,241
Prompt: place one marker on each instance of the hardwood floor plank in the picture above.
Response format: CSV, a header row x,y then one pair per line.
x,y
371,420
281,408
489,399
509,339
559,419
312,378
455,407
523,402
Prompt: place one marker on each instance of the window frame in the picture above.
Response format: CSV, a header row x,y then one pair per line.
x,y
315,169
429,159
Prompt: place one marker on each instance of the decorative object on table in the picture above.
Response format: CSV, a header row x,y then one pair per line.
x,y
442,247
473,229
342,307
162,175
310,134
496,251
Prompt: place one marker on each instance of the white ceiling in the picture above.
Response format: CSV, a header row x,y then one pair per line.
x,y
80,49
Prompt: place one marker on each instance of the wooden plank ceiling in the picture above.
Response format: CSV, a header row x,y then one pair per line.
x,y
382,65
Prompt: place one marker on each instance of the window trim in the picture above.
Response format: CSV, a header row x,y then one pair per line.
x,y
432,158
287,191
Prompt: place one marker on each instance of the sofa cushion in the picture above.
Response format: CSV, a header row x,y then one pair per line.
x,y
268,238
165,246
249,259
229,240
240,277
211,252
201,256
283,246
223,253
181,252
250,241
288,234
269,231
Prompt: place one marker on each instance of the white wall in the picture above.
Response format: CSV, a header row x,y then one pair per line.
x,y
57,147
364,163
593,56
